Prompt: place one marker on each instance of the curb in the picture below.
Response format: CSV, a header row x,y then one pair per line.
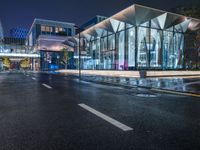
x,y
149,88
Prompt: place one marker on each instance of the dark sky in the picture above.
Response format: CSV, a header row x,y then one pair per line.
x,y
21,13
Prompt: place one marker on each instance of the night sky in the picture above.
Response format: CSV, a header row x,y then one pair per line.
x,y
21,13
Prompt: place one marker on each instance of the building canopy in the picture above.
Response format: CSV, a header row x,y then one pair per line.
x,y
137,15
53,43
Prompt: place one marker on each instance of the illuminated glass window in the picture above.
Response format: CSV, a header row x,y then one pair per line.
x,y
43,29
61,29
143,46
111,42
104,44
56,30
131,47
47,29
156,53
178,50
51,29
168,45
121,50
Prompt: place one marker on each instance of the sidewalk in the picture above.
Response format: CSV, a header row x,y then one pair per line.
x,y
178,84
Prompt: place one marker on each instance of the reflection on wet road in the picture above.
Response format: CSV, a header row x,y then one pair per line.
x,y
34,116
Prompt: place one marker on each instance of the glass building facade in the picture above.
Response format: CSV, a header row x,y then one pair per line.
x,y
136,38
19,33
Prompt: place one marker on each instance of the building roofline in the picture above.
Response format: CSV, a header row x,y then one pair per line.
x,y
54,21
197,19
155,9
101,16
88,21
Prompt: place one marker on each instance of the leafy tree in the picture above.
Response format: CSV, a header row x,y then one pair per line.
x,y
25,63
6,63
192,52
64,58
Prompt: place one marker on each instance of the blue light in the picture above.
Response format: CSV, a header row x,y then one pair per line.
x,y
53,67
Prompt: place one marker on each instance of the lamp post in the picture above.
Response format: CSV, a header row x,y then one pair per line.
x,y
45,60
79,55
79,49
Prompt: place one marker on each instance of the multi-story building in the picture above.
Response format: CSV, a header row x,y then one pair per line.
x,y
13,41
46,37
1,46
50,28
18,33
93,21
1,32
1,37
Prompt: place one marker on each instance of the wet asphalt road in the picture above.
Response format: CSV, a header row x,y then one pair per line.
x,y
34,117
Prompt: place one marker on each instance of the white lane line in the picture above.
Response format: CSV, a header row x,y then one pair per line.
x,y
34,78
106,118
47,86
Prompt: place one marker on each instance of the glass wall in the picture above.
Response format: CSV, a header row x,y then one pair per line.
x,y
109,55
131,48
173,50
178,50
121,50
86,62
156,49
168,49
135,48
143,47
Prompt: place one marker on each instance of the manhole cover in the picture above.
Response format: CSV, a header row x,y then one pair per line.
x,y
146,95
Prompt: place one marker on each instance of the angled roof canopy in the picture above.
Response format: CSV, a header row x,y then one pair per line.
x,y
194,25
182,27
137,15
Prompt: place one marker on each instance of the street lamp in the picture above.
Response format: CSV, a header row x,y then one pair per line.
x,y
44,49
79,49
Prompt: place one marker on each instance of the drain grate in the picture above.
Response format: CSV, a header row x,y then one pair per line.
x,y
147,95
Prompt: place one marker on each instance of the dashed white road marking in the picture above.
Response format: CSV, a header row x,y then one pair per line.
x,y
47,86
107,118
34,78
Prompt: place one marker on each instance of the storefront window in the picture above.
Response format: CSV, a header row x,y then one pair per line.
x,y
156,54
111,42
178,50
143,46
131,47
121,50
168,47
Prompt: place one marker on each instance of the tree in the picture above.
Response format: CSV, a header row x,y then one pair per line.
x,y
25,63
65,58
6,63
192,51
